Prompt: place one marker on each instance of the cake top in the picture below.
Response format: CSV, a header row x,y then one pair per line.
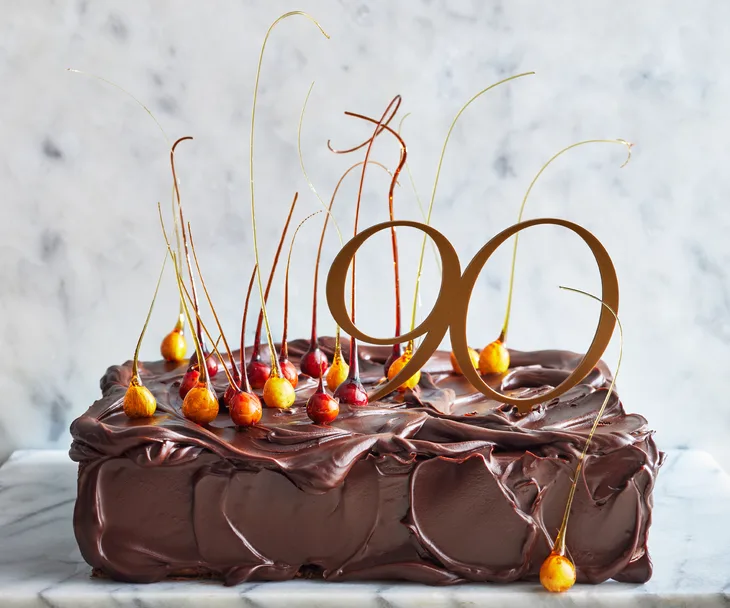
x,y
445,417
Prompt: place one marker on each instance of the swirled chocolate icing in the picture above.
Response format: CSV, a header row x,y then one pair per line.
x,y
439,486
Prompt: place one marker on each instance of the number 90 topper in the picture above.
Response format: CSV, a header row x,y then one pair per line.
x,y
449,312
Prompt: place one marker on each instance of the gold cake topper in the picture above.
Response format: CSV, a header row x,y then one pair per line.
x,y
449,312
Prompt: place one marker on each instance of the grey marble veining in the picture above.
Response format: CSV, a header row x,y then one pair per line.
x,y
40,565
82,168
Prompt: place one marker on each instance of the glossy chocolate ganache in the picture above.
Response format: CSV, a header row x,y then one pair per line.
x,y
439,486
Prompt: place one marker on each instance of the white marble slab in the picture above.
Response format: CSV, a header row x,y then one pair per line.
x,y
40,565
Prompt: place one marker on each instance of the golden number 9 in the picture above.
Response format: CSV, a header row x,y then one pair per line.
x,y
450,310
434,326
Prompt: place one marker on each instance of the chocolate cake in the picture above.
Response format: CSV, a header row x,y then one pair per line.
x,y
438,486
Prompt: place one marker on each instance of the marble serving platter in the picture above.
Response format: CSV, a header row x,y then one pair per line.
x,y
40,565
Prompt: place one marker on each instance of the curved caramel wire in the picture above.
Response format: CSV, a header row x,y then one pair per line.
x,y
284,346
123,90
436,181
270,280
559,545
202,367
391,213
510,289
185,240
235,382
418,197
276,372
304,171
393,107
180,326
229,377
135,361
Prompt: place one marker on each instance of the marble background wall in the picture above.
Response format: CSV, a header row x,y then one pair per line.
x,y
82,167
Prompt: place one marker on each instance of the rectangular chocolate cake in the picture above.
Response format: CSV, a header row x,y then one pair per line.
x,y
439,486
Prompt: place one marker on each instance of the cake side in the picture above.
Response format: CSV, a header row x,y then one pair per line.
x,y
441,486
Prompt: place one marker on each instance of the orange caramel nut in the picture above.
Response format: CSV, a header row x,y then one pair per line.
x,y
473,355
337,373
139,402
494,358
173,347
245,409
278,392
398,365
557,573
200,405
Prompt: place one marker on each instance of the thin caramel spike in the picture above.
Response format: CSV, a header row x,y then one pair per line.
x,y
180,326
202,367
230,378
244,371
184,235
559,546
135,361
274,362
304,171
510,289
284,345
421,209
272,272
436,182
321,243
391,213
387,115
123,90
215,314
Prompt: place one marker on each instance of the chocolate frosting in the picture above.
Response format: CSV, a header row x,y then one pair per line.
x,y
440,485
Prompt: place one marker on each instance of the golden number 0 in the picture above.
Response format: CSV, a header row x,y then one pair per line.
x,y
449,312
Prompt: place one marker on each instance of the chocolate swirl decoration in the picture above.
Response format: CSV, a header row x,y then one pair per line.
x,y
449,312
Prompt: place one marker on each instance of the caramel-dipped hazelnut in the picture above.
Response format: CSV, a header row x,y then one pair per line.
x,y
173,347
278,392
473,355
494,358
398,365
557,573
139,402
200,405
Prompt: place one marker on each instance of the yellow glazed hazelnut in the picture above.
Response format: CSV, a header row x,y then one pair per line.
x,y
473,355
494,358
337,373
557,573
398,365
173,347
139,402
278,392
